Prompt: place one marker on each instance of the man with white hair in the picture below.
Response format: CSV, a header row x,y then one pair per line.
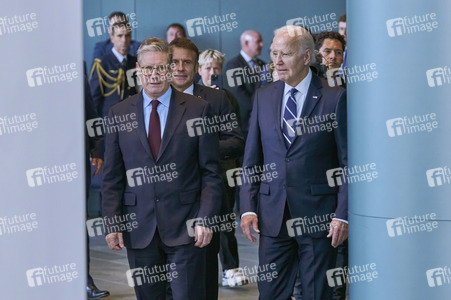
x,y
301,211
246,65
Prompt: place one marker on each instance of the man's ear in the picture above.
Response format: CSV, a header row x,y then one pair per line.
x,y
307,57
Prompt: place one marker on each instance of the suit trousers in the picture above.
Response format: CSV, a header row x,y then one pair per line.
x,y
185,281
312,256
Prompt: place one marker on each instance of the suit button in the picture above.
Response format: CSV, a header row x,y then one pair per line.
x,y
287,159
157,200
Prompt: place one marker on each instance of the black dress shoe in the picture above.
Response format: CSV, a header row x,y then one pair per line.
x,y
95,293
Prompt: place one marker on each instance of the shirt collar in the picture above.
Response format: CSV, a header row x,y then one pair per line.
x,y
190,90
302,86
164,99
119,56
247,58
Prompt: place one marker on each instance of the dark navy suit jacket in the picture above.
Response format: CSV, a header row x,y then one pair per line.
x,y
111,65
301,169
195,193
231,143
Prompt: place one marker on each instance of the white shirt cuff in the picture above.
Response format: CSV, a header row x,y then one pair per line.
x,y
344,221
248,213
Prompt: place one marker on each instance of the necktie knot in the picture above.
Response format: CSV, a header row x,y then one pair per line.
x,y
293,91
155,104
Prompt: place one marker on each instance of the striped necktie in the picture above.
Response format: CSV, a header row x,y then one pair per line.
x,y
289,113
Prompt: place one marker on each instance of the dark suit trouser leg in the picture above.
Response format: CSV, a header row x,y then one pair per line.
x,y
187,278
212,267
228,250
313,256
316,257
282,253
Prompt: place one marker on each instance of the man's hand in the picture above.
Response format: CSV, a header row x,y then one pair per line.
x,y
246,222
98,163
115,241
338,231
202,236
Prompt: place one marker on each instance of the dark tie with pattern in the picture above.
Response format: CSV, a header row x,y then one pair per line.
x,y
289,115
154,130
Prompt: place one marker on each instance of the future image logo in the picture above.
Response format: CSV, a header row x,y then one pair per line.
x,y
214,24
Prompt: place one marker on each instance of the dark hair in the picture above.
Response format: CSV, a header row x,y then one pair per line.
x,y
319,39
183,43
177,25
125,25
122,17
342,18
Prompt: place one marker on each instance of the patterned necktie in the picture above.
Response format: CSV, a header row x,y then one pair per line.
x,y
154,130
289,113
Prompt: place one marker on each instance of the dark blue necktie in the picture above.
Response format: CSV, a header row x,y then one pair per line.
x,y
289,113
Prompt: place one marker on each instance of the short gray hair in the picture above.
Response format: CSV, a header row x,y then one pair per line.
x,y
300,36
153,44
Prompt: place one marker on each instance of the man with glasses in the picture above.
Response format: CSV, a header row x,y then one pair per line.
x,y
167,247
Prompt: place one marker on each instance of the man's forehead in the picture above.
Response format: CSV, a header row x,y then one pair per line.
x,y
182,52
331,43
283,42
154,56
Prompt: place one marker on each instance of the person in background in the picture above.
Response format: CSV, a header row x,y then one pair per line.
x,y
246,63
175,30
211,63
343,30
104,47
331,46
342,27
108,82
185,57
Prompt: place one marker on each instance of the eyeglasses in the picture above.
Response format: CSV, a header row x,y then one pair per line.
x,y
158,69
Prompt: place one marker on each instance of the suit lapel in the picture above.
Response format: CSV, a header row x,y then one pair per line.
x,y
311,100
138,108
198,91
277,93
175,113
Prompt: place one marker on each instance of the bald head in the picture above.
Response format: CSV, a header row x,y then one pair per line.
x,y
251,43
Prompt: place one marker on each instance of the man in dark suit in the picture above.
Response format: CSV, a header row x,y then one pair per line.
x,y
104,47
163,178
285,133
108,82
185,56
250,70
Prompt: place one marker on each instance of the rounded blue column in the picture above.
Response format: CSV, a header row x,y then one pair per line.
x,y
399,120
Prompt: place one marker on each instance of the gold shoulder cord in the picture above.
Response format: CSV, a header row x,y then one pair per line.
x,y
118,82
